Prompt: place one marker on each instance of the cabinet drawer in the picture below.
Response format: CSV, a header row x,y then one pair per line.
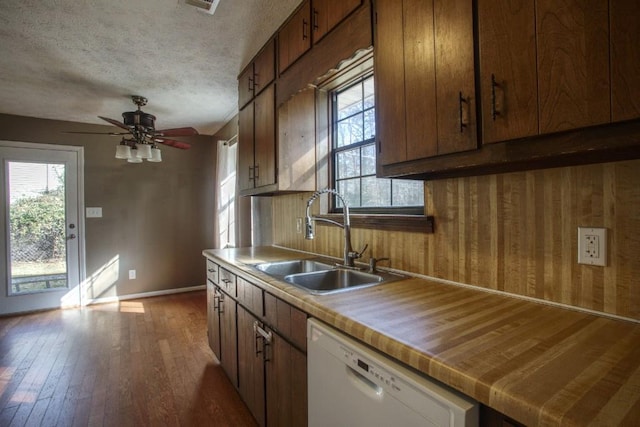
x,y
212,271
227,282
251,296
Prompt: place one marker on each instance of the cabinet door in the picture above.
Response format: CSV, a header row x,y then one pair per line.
x,y
391,137
507,43
246,86
286,383
228,337
245,148
294,38
420,79
455,89
625,59
573,64
265,138
297,143
264,67
213,319
251,365
328,13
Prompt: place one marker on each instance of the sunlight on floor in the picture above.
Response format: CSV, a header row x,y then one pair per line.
x,y
131,307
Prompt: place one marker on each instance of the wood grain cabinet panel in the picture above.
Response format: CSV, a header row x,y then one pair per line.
x,y
286,380
425,83
573,64
251,378
265,138
297,143
294,38
257,75
327,14
228,337
508,78
213,319
257,139
625,59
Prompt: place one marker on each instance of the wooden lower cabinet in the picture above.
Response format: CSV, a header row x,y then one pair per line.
x,y
251,351
261,343
213,318
228,337
286,379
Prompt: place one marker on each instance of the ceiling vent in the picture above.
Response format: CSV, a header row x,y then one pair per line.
x,y
206,6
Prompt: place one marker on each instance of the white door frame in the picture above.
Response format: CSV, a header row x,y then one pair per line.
x,y
80,225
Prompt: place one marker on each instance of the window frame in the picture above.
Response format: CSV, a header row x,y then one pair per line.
x,y
386,211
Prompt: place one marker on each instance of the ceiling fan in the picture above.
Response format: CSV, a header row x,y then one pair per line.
x,y
141,137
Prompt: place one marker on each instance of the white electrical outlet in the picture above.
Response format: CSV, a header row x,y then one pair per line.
x,y
299,225
592,246
132,274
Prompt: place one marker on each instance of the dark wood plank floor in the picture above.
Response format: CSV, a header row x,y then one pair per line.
x,y
143,362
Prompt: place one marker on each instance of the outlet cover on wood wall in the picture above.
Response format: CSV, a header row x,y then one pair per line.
x,y
592,246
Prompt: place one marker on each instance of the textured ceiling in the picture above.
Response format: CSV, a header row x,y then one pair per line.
x,y
77,59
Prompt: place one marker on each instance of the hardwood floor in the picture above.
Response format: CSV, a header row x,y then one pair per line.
x,y
142,362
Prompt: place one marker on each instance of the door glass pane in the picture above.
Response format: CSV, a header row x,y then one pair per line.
x,y
37,226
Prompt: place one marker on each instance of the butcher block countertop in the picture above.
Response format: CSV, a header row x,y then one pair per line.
x,y
538,364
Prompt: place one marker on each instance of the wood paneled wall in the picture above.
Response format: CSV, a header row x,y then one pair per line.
x,y
513,232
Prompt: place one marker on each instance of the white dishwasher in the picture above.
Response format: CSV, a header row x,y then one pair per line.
x,y
352,385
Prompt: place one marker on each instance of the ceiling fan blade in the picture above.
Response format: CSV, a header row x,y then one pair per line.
x,y
114,122
101,133
186,131
172,143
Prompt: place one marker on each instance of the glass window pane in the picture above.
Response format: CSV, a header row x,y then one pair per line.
x,y
348,163
369,124
368,89
350,131
408,193
350,190
37,226
376,192
369,159
349,101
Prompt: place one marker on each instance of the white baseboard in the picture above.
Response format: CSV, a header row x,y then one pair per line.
x,y
144,295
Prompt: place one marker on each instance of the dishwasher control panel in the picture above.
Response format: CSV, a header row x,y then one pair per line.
x,y
370,370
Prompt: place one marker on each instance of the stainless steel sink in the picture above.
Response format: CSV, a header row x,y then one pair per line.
x,y
284,268
321,277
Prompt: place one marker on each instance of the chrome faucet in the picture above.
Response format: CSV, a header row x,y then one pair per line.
x,y
349,255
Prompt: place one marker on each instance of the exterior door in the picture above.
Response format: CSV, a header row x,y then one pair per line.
x,y
41,233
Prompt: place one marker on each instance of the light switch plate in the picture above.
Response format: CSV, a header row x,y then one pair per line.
x,y
94,212
592,246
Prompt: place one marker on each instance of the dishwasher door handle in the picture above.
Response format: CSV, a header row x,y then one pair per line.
x,y
364,384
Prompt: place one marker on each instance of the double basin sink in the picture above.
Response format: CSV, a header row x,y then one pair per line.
x,y
320,276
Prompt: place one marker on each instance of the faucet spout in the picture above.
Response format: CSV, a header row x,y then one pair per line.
x,y
349,254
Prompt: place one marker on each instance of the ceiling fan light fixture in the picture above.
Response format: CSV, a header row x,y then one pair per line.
x,y
144,151
123,151
135,157
156,155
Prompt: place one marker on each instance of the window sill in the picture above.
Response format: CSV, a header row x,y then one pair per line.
x,y
411,223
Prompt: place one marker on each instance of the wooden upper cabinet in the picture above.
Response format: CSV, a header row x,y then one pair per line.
x,y
264,67
455,89
257,75
245,148
391,134
328,13
625,59
573,64
425,83
507,47
294,39
297,142
265,138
